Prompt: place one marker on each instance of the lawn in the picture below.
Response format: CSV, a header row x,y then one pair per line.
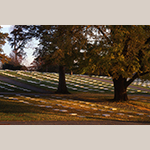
x,y
75,107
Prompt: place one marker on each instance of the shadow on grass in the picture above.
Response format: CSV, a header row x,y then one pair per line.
x,y
119,121
16,107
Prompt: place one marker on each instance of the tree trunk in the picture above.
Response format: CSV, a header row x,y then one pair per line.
x,y
120,89
62,88
71,72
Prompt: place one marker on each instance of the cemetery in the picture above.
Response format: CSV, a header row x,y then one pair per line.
x,y
77,73
88,101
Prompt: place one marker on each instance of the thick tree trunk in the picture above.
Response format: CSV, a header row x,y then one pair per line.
x,y
62,88
120,89
71,72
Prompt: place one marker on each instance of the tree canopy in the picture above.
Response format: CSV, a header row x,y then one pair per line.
x,y
123,52
3,36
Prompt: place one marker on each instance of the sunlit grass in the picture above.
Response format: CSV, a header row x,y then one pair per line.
x,y
87,105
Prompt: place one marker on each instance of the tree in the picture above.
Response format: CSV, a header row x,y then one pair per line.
x,y
122,52
18,39
3,57
58,45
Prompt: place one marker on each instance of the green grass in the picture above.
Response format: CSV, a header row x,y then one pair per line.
x,y
13,110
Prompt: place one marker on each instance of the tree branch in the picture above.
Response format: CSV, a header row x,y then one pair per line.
x,y
136,75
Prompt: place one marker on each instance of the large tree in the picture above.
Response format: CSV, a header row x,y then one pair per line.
x,y
122,52
58,45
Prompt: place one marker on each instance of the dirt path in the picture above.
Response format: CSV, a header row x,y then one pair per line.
x,y
109,122
24,85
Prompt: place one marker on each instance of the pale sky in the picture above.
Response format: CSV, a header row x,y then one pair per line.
x,y
7,49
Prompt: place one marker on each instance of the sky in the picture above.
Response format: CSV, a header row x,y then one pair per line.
x,y
7,49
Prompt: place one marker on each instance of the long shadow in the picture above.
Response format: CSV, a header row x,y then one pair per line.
x,y
119,121
24,85
16,107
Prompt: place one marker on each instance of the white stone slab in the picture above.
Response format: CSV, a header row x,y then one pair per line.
x,y
55,109
96,114
130,116
37,96
105,107
73,114
64,106
78,110
41,105
75,104
87,112
113,108
94,108
58,105
148,115
87,103
26,102
15,99
70,107
21,100
92,105
81,105
86,107
28,97
105,115
120,114
81,116
110,111
140,114
48,106
63,110
101,109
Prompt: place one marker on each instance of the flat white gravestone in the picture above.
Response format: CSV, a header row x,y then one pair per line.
x,y
130,116
140,114
81,116
26,102
48,106
87,112
96,114
113,108
120,114
63,110
14,98
41,105
105,107
21,100
110,111
105,115
56,109
101,109
73,114
70,107
78,110
94,108
37,96
58,105
64,106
